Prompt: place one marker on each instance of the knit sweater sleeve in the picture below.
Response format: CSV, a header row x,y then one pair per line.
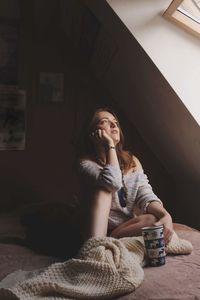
x,y
108,177
145,194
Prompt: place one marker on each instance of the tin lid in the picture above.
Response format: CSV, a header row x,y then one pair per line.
x,y
152,227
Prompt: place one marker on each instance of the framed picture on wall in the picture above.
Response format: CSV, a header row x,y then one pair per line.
x,y
12,119
51,87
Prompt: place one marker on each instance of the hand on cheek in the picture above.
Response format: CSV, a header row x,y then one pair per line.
x,y
102,137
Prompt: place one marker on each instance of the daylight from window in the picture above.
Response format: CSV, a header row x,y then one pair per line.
x,y
191,9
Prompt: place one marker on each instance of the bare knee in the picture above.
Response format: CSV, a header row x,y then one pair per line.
x,y
147,220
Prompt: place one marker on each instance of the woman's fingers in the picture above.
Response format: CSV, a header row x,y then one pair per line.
x,y
158,223
97,134
102,136
168,235
168,227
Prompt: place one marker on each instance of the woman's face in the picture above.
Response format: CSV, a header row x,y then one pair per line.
x,y
105,120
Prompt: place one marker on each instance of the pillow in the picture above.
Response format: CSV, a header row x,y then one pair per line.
x,y
10,225
52,229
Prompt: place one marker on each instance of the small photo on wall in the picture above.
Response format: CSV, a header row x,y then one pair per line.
x,y
51,87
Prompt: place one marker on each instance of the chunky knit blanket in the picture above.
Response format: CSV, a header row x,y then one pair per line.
x,y
104,268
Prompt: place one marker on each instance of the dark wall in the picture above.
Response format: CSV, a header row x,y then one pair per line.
x,y
44,171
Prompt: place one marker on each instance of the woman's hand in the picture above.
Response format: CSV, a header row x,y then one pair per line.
x,y
163,218
166,221
104,143
103,138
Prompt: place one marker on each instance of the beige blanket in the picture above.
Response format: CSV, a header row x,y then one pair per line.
x,y
105,267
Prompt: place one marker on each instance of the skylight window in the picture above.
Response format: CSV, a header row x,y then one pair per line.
x,y
185,13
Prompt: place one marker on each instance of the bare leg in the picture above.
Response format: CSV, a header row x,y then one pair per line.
x,y
100,210
133,226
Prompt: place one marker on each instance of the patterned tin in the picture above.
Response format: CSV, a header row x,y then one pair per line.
x,y
155,245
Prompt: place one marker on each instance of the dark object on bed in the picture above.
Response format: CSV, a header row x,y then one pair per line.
x,y
178,279
52,229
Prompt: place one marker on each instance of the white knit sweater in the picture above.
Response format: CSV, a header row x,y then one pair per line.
x,y
140,192
105,268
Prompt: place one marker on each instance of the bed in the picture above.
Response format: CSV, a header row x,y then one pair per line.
x,y
178,279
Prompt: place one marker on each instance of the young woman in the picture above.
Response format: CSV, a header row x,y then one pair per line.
x,y
117,198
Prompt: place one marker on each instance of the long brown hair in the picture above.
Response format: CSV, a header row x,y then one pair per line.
x,y
125,158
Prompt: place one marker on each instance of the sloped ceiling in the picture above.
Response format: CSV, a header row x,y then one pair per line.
x,y
173,50
154,108
149,101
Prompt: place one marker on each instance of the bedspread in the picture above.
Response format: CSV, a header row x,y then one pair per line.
x,y
105,268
